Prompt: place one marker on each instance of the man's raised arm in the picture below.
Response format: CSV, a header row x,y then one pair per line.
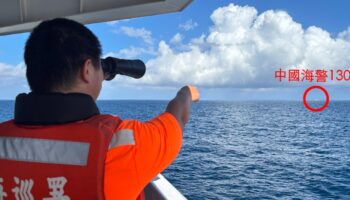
x,y
180,106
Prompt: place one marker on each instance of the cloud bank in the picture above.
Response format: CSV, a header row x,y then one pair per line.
x,y
12,75
243,49
13,80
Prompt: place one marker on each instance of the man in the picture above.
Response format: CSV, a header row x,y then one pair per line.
x,y
59,146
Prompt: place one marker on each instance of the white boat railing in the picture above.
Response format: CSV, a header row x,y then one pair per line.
x,y
161,189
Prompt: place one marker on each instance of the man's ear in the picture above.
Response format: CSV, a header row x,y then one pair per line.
x,y
86,71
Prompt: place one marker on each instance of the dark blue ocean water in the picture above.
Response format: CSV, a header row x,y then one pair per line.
x,y
253,150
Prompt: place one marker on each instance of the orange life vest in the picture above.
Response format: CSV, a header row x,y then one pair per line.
x,y
47,162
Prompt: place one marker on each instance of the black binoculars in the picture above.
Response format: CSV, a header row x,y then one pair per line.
x,y
113,66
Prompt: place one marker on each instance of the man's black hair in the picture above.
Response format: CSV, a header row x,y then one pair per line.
x,y
55,51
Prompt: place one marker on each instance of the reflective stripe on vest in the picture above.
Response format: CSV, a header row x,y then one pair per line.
x,y
44,151
122,137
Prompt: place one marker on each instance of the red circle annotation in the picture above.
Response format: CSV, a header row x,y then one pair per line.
x,y
320,108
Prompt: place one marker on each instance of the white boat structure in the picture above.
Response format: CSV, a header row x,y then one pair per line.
x,y
17,16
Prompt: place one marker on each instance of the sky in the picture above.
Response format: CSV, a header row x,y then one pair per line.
x,y
230,50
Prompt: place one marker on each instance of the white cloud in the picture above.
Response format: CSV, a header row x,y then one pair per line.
x,y
113,23
177,38
142,33
11,74
13,80
132,52
345,35
244,48
188,25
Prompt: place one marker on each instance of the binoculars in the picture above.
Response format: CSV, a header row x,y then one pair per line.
x,y
113,66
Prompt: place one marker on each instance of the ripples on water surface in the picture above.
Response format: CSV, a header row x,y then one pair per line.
x,y
253,150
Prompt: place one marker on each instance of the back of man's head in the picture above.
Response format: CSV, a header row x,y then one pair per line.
x,y
55,51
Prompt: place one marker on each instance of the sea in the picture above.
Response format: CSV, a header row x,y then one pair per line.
x,y
253,149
